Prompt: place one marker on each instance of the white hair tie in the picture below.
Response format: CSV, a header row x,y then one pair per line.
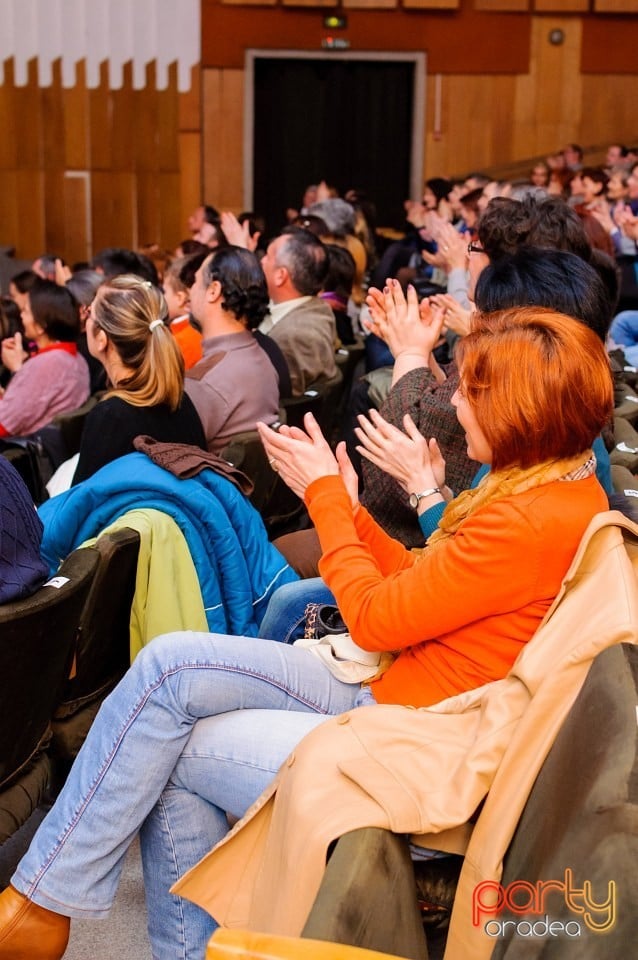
x,y
155,323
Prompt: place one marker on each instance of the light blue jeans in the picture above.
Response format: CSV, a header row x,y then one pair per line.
x,y
284,619
197,728
624,331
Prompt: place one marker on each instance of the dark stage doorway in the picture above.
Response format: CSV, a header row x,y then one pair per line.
x,y
355,120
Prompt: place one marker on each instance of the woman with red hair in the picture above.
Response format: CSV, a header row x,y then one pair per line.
x,y
200,724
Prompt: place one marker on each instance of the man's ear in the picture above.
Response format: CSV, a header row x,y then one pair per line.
x,y
214,291
281,276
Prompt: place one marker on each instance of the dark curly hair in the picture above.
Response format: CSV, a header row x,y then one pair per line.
x,y
507,224
242,281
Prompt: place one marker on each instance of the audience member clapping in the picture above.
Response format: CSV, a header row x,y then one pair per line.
x,y
56,378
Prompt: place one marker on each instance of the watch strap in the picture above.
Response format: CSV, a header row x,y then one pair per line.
x,y
415,498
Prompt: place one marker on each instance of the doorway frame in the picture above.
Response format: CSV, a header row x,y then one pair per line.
x,y
417,146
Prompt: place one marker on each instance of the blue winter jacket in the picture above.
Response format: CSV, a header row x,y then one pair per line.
x,y
237,566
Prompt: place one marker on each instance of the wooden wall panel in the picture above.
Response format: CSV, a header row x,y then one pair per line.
x,y
616,6
51,110
28,121
548,103
561,6
148,207
476,128
54,211
30,238
166,143
82,169
370,4
113,209
9,220
8,138
190,103
222,137
609,45
511,6
100,129
142,154
191,189
172,227
431,4
124,123
609,112
77,225
75,105
22,220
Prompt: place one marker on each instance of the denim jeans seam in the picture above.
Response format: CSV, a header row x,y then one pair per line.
x,y
250,765
166,821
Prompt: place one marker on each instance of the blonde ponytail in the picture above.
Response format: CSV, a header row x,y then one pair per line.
x,y
133,314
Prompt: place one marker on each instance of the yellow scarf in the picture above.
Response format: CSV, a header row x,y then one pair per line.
x,y
498,484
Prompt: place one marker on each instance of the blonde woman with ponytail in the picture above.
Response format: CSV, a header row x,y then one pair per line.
x,y
127,332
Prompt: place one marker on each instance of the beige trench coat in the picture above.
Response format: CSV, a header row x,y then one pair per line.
x,y
424,772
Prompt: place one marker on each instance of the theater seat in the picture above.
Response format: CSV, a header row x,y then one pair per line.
x,y
247,945
246,452
102,653
37,640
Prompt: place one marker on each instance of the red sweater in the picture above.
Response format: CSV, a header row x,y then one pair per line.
x,y
462,612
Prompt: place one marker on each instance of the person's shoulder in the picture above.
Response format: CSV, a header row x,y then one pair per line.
x,y
110,403
564,491
548,507
312,307
109,409
62,358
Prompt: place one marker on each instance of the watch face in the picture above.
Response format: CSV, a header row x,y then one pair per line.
x,y
414,500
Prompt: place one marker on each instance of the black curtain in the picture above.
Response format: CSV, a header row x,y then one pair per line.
x,y
346,121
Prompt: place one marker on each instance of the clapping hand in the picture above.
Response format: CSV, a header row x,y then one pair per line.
x,y
402,323
13,353
414,462
455,317
624,218
299,457
238,234
451,246
62,272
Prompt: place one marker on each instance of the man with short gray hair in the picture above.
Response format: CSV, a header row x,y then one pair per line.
x,y
295,265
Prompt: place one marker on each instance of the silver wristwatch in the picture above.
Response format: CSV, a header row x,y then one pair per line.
x,y
416,497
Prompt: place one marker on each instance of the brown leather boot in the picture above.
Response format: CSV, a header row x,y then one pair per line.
x,y
30,932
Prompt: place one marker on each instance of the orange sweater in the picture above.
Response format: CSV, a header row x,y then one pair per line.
x,y
462,612
188,340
